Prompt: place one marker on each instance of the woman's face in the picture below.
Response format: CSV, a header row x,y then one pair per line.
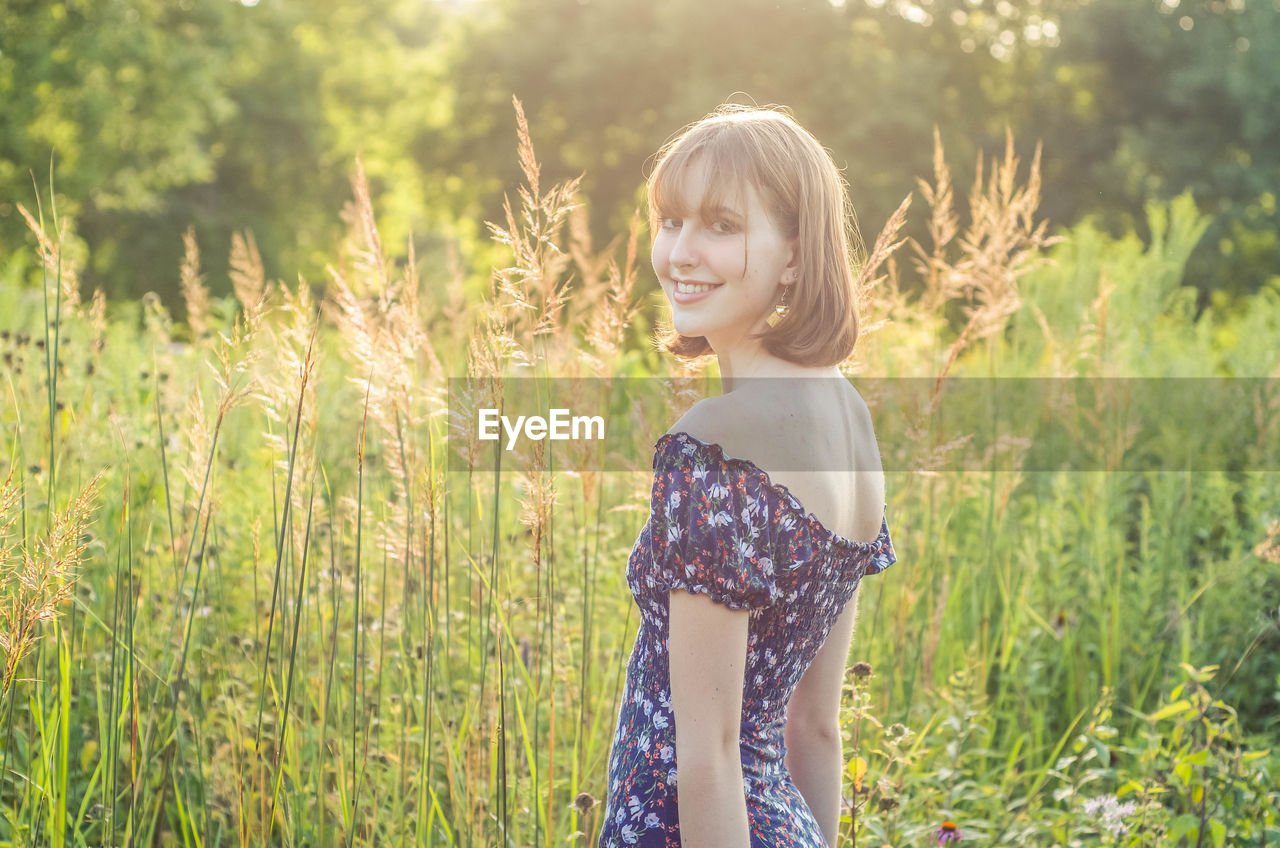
x,y
735,258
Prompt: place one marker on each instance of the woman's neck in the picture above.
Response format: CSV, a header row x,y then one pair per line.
x,y
741,365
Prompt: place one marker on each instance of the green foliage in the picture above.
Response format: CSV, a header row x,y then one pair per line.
x,y
1153,98
159,115
1187,768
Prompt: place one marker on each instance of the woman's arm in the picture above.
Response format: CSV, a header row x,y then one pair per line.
x,y
814,759
713,807
708,657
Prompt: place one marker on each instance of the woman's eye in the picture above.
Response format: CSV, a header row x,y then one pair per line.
x,y
723,227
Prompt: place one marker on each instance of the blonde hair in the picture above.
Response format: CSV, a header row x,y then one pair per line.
x,y
805,196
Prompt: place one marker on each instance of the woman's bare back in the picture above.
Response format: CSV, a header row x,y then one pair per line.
x,y
813,436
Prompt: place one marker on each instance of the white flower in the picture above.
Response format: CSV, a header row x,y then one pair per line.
x,y
651,820
629,835
671,777
667,753
636,807
1110,813
659,721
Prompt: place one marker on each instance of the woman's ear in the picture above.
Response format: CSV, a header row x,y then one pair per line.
x,y
791,272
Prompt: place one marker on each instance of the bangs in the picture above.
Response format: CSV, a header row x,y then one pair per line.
x,y
726,176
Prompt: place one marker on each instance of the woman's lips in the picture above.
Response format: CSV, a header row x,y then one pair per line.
x,y
685,298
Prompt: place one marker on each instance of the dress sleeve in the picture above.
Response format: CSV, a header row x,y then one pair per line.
x,y
710,526
881,554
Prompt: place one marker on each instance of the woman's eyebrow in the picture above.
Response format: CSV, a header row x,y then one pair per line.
x,y
710,211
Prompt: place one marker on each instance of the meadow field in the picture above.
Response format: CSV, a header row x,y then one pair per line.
x,y
247,599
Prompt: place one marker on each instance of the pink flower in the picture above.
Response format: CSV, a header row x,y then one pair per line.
x,y
948,833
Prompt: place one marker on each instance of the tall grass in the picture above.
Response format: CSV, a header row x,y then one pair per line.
x,y
419,656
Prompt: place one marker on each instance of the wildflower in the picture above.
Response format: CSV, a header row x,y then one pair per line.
x,y
948,832
861,670
583,803
1269,548
1110,813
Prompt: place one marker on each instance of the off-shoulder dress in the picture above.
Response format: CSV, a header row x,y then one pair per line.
x,y
719,526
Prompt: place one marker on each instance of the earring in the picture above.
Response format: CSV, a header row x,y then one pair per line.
x,y
780,308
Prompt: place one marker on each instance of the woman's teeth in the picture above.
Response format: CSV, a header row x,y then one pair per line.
x,y
690,288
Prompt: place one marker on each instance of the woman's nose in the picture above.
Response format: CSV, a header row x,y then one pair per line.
x,y
683,248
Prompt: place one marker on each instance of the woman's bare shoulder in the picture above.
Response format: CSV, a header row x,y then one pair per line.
x,y
743,425
776,428
712,420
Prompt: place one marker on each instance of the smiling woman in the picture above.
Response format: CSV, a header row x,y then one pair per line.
x,y
728,730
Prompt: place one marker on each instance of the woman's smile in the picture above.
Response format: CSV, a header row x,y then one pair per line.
x,y
687,292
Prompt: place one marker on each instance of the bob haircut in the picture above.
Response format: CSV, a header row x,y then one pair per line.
x,y
803,192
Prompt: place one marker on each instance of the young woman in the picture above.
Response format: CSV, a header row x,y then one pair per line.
x,y
767,506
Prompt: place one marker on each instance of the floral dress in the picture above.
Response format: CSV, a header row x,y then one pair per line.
x,y
718,526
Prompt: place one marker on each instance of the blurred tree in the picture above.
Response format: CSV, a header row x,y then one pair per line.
x,y
230,116
122,95
222,115
1146,99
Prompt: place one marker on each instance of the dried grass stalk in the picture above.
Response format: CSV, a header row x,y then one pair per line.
x,y
35,581
194,292
52,256
248,279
